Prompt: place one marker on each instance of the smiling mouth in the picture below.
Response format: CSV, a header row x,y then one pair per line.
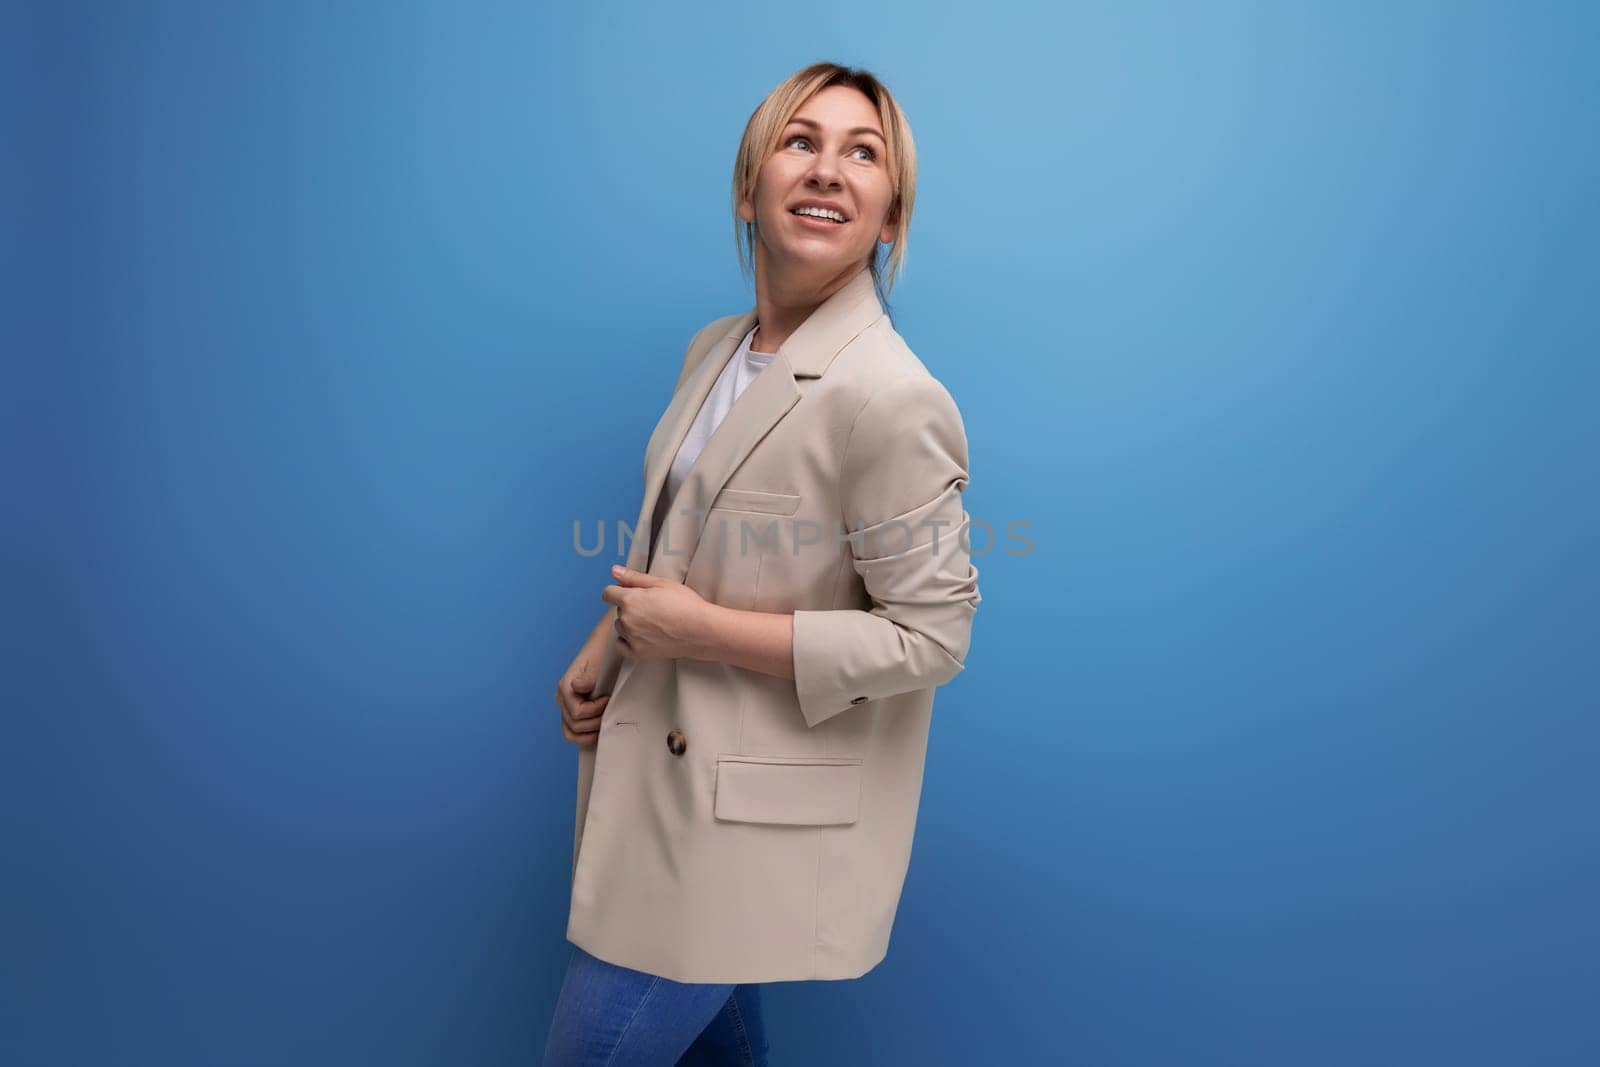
x,y
805,214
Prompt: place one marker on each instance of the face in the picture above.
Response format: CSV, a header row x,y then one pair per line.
x,y
831,155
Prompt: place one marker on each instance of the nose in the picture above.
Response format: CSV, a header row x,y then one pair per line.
x,y
824,173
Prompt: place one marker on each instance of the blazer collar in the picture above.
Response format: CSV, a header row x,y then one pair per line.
x,y
806,354
834,323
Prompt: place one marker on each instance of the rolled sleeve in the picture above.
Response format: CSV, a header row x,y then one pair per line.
x,y
901,480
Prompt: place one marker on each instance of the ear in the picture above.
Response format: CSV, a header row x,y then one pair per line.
x,y
747,211
886,235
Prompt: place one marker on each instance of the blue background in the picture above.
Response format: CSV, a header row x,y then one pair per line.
x,y
1276,321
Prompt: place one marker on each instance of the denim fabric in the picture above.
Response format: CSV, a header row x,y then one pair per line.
x,y
610,1016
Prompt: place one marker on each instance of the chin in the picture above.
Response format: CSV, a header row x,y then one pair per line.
x,y
824,264
820,251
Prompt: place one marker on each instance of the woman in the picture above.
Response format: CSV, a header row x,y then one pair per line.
x,y
752,710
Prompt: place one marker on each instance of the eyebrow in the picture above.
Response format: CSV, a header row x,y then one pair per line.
x,y
852,130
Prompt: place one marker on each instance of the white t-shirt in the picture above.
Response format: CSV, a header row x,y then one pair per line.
x,y
735,378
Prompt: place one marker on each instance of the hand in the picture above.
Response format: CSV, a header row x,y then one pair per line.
x,y
580,715
657,618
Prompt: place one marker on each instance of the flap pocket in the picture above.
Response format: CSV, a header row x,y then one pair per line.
x,y
759,500
788,790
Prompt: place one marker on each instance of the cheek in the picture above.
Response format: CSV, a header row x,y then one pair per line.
x,y
875,221
773,180
768,203
875,198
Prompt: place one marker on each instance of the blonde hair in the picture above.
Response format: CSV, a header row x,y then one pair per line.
x,y
766,125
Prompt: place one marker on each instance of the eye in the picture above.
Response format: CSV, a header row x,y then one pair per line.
x,y
872,154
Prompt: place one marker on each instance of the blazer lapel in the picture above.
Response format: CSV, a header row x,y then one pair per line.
x,y
806,354
674,427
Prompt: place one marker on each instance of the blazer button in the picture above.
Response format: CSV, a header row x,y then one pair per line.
x,y
676,742
859,700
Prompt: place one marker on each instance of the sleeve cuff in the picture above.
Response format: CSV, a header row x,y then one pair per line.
x,y
821,640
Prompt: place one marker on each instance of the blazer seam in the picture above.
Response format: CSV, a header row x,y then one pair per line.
x,y
855,420
816,905
744,696
833,587
844,453
838,569
844,521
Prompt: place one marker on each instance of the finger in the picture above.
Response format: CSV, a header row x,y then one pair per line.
x,y
588,709
578,739
641,579
575,710
623,576
612,594
586,725
583,714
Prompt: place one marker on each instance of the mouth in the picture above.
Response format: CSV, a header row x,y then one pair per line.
x,y
818,216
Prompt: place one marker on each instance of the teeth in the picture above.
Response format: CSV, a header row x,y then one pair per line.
x,y
819,212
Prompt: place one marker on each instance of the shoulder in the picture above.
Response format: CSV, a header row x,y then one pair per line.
x,y
701,343
904,441
716,328
881,379
874,357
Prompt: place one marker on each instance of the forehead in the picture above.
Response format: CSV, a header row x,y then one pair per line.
x,y
840,106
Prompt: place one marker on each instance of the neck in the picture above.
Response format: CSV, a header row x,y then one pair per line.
x,y
787,294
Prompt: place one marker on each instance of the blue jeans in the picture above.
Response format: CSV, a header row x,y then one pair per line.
x,y
611,1016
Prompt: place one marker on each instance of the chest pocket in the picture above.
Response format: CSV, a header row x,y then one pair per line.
x,y
742,528
760,501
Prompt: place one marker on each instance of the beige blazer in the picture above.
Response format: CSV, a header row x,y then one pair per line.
x,y
733,826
